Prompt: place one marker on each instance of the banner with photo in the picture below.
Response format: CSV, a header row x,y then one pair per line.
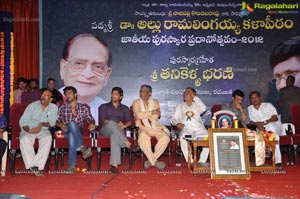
x,y
212,46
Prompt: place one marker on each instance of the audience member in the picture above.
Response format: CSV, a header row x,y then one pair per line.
x,y
146,113
236,106
187,118
85,64
33,93
114,118
288,96
71,119
265,117
21,88
57,96
35,122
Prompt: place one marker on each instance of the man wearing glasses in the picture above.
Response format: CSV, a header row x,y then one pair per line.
x,y
85,65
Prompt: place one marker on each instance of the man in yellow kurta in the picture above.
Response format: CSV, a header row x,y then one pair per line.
x,y
146,114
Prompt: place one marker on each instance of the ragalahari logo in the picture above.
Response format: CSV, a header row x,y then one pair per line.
x,y
246,9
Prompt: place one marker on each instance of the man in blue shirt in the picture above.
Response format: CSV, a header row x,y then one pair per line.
x,y
114,117
35,123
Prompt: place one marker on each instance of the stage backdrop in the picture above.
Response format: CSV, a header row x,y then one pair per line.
x,y
213,46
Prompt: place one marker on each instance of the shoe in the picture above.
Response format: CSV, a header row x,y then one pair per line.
x,y
113,170
147,164
159,165
203,164
278,166
133,148
71,169
36,171
85,152
18,155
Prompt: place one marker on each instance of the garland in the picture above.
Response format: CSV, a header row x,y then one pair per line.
x,y
12,67
2,70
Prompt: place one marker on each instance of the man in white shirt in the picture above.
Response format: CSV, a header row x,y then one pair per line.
x,y
187,118
264,116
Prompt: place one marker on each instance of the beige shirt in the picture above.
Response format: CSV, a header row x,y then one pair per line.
x,y
143,116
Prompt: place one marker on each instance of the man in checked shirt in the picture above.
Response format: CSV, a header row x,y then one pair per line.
x,y
70,120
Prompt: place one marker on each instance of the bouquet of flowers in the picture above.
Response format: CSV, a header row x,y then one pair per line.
x,y
268,135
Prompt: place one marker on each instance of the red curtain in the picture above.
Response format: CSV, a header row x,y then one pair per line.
x,y
26,31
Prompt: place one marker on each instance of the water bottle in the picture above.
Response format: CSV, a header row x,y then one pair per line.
x,y
289,130
173,135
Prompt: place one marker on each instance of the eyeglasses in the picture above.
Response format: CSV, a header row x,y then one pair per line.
x,y
279,77
79,65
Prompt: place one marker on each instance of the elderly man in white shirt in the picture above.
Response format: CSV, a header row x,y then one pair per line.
x,y
264,116
187,118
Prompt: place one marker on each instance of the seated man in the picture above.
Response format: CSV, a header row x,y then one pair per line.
x,y
265,117
35,122
57,96
114,117
187,118
33,93
21,88
71,119
236,106
146,113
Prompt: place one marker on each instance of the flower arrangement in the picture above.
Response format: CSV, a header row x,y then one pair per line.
x,y
268,135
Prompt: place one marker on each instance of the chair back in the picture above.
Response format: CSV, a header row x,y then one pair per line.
x,y
215,108
288,127
16,111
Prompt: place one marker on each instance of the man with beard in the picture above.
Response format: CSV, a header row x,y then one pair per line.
x,y
71,119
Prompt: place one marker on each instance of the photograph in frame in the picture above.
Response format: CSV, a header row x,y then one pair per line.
x,y
225,122
229,153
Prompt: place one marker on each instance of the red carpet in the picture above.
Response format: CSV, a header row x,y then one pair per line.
x,y
174,182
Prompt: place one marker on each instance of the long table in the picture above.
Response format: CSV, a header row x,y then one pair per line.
x,y
194,167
